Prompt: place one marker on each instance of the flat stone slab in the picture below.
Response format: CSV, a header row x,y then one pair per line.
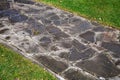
x,y
70,46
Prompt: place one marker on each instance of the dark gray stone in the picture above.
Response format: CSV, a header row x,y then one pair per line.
x,y
3,31
45,41
76,55
72,74
55,17
99,29
52,64
75,21
54,48
64,55
114,47
56,32
57,22
25,1
67,44
100,65
1,25
89,36
18,18
78,45
87,54
82,27
49,15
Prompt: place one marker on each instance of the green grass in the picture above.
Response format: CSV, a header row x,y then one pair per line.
x,y
104,11
13,66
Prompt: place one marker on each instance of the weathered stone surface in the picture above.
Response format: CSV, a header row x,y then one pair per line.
x,y
67,44
45,41
3,31
56,32
64,55
1,25
72,74
76,55
25,1
99,29
68,41
114,47
18,18
78,45
54,65
100,65
4,5
89,36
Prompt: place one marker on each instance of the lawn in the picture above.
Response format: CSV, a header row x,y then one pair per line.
x,y
104,11
13,66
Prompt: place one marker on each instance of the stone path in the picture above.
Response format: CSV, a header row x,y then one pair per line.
x,y
71,47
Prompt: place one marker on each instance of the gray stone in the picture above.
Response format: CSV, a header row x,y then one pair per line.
x,y
64,55
89,36
76,55
56,32
72,74
111,46
18,18
3,31
78,45
55,17
1,25
52,64
45,41
67,44
100,65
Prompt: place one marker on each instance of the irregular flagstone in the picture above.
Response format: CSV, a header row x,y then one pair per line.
x,y
72,74
70,46
100,65
49,62
89,36
114,47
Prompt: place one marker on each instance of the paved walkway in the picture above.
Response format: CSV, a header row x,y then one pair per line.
x,y
70,46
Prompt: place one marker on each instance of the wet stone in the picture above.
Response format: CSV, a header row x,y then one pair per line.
x,y
114,47
105,68
78,45
72,74
89,36
3,31
52,64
